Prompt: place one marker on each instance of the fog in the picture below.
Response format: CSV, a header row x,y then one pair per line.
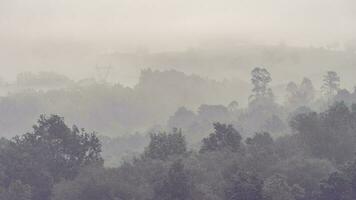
x,y
177,100
71,37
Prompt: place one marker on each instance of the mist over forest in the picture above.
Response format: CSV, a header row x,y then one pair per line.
x,y
177,100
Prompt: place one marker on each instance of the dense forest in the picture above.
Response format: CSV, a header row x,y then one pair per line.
x,y
302,148
177,100
111,109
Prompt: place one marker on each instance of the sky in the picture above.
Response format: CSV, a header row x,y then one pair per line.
x,y
63,35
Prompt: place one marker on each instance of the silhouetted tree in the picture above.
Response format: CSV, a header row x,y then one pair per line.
x,y
260,80
262,141
244,186
176,185
182,118
331,84
260,150
47,155
301,95
330,134
224,137
307,90
163,145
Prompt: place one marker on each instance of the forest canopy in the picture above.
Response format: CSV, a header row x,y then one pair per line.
x,y
303,149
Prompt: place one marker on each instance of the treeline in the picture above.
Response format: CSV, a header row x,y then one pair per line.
x,y
262,114
31,164
316,162
313,157
164,99
111,109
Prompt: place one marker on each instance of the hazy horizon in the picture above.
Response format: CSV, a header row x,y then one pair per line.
x,y
71,37
177,100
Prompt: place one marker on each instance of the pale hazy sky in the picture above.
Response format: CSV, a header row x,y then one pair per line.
x,y
296,20
31,30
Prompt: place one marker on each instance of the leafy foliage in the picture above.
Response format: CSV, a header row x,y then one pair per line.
x,y
163,145
47,155
176,185
224,137
260,80
331,84
315,161
330,134
244,186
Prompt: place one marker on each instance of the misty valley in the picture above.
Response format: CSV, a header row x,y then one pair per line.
x,y
177,137
177,100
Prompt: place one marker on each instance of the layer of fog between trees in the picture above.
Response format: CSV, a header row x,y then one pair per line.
x,y
161,101
169,138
